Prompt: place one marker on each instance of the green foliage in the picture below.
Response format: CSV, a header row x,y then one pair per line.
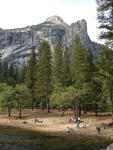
x,y
22,96
105,18
105,75
58,97
0,71
66,97
11,70
66,69
82,65
11,81
3,71
63,82
57,63
30,76
6,96
44,73
82,73
22,73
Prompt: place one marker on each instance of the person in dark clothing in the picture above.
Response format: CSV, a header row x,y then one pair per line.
x,y
98,130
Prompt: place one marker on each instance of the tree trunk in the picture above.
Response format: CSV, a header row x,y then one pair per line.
x,y
41,105
9,112
63,111
85,111
112,115
52,108
96,111
80,111
47,105
74,112
32,107
20,114
112,108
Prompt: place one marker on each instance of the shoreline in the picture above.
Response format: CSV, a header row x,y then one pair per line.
x,y
56,133
55,124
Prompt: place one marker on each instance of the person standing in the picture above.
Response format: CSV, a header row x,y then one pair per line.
x,y
78,122
98,129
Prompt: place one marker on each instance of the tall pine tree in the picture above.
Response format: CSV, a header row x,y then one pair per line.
x,y
5,71
66,71
82,68
30,77
105,67
22,73
105,18
0,71
57,64
44,74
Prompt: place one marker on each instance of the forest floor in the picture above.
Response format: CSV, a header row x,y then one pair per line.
x,y
52,123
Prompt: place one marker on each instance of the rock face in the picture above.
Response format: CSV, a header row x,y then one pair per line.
x,y
16,44
79,28
110,147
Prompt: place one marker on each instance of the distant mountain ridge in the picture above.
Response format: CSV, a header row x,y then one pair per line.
x,y
16,44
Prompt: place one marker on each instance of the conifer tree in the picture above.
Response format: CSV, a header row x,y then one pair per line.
x,y
105,18
82,68
66,71
44,74
11,70
6,97
0,71
22,98
4,71
80,64
105,75
22,73
57,64
11,76
16,74
30,77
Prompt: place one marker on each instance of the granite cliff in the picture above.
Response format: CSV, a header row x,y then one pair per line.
x,y
16,44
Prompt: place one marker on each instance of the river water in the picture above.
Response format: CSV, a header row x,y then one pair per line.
x,y
21,139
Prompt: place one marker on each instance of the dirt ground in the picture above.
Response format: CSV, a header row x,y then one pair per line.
x,y
54,123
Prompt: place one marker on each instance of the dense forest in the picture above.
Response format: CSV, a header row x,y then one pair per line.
x,y
59,80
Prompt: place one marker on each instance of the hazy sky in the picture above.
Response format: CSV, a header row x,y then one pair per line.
x,y
20,13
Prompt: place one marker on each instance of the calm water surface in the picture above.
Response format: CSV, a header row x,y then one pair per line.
x,y
20,139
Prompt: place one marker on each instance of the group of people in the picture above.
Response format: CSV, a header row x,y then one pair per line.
x,y
37,121
76,120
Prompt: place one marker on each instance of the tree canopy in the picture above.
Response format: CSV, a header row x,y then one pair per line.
x,y
105,18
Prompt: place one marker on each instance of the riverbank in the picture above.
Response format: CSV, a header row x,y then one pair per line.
x,y
24,139
54,123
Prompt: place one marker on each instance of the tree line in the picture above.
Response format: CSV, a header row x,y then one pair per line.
x,y
59,80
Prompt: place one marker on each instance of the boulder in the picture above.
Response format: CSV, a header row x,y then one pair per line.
x,y
110,147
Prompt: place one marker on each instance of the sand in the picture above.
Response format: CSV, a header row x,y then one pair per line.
x,y
54,123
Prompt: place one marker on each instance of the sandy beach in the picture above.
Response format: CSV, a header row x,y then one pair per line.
x,y
54,123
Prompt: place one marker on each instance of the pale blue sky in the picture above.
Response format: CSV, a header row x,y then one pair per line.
x,y
20,13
